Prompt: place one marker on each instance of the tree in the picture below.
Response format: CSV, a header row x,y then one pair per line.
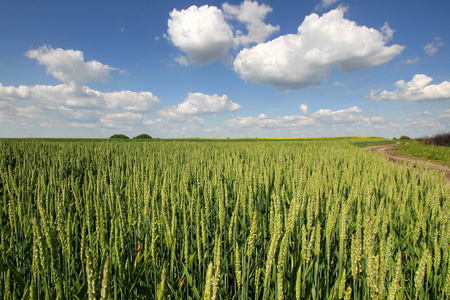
x,y
119,137
142,137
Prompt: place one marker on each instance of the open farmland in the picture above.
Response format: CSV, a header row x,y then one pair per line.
x,y
261,219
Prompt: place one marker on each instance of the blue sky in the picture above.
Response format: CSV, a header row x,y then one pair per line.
x,y
216,69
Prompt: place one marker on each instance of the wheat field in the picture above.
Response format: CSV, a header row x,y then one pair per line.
x,y
267,219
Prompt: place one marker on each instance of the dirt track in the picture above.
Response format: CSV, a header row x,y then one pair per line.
x,y
386,150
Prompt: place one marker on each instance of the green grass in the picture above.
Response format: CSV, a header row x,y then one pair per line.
x,y
372,141
439,154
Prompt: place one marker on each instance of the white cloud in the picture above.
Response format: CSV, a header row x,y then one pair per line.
x,y
387,31
73,96
202,33
29,111
344,115
199,104
304,109
299,60
121,120
262,116
42,120
33,117
430,49
425,113
325,4
49,96
6,110
182,60
410,61
352,116
445,117
418,127
253,15
271,123
69,65
418,89
12,93
132,101
168,128
81,116
433,47
50,110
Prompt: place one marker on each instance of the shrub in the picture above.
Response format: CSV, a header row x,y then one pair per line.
x,y
142,137
440,139
119,137
404,137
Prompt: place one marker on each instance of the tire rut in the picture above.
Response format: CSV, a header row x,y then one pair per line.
x,y
386,150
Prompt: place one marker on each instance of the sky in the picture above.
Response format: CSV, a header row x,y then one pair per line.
x,y
224,69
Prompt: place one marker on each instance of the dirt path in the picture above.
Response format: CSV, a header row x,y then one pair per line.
x,y
386,150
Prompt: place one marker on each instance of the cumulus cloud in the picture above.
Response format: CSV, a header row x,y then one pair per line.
x,y
169,128
61,107
433,47
82,116
49,96
304,109
253,15
418,89
350,117
132,101
69,65
202,33
299,60
418,127
387,31
49,110
73,96
425,113
271,123
121,120
197,104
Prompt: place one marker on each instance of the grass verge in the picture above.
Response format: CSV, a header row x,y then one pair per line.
x,y
440,154
372,142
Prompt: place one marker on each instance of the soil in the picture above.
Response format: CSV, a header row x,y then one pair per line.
x,y
386,150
